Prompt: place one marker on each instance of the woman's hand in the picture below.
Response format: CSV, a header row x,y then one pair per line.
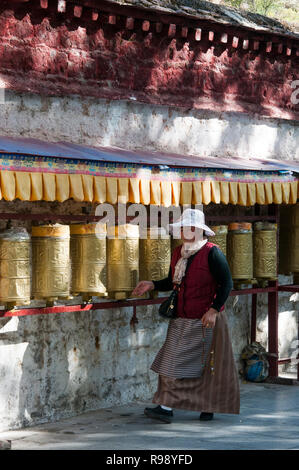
x,y
209,318
142,287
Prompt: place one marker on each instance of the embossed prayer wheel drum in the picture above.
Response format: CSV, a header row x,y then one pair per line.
x,y
239,251
154,254
220,237
88,258
122,260
51,262
15,267
264,250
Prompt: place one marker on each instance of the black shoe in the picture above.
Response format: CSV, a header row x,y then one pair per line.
x,y
158,413
206,416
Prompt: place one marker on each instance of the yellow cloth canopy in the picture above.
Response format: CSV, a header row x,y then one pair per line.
x,y
47,186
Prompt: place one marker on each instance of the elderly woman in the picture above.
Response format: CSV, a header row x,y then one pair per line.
x,y
195,365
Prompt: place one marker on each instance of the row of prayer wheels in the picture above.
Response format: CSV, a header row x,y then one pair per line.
x,y
251,251
59,261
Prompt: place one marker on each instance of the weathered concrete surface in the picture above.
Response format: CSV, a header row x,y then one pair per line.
x,y
268,420
53,366
136,126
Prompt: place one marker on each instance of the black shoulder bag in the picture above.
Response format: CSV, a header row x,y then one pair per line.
x,y
168,308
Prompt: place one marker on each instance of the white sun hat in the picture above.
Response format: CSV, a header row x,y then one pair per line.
x,y
192,218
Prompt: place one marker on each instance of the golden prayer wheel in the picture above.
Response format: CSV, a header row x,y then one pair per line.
x,y
122,260
88,258
51,262
154,255
15,285
220,237
264,250
239,251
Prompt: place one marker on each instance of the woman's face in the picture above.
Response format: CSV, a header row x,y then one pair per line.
x,y
191,234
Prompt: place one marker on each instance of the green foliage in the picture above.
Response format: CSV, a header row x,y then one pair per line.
x,y
282,10
264,7
235,3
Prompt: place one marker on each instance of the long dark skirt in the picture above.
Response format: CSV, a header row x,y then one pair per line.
x,y
215,389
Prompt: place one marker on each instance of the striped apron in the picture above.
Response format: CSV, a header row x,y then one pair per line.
x,y
197,373
185,350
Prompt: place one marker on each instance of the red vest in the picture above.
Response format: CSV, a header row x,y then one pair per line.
x,y
198,287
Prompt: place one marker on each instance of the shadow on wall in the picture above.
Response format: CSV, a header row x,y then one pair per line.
x,y
204,133
55,366
39,367
50,378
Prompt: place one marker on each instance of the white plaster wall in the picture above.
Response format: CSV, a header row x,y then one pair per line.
x,y
141,126
60,365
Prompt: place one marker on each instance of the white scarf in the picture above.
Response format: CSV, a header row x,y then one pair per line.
x,y
188,249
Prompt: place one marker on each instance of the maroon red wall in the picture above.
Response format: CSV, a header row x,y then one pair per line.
x,y
43,53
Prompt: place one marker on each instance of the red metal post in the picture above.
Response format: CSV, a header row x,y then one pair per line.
x,y
273,331
253,317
